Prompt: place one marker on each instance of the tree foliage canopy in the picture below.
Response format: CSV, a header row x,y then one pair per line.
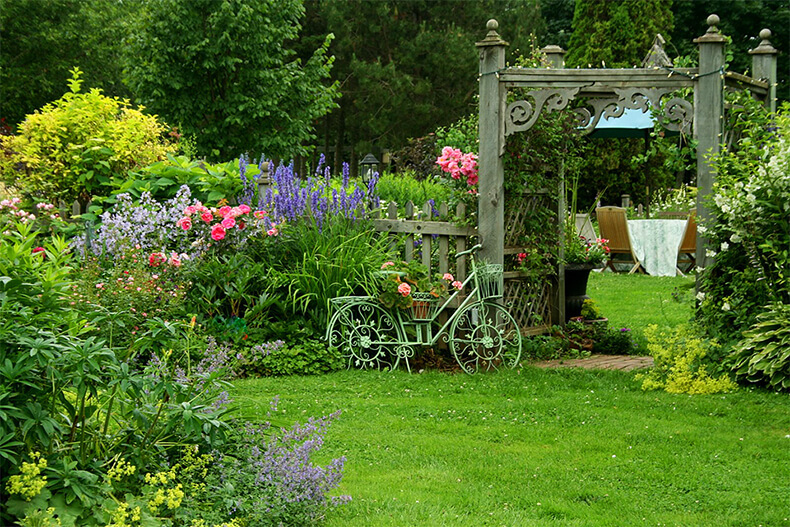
x,y
43,40
617,33
222,71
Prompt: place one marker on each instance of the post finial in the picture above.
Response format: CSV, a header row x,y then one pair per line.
x,y
713,21
713,34
492,37
765,47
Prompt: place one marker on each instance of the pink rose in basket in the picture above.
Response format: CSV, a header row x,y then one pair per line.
x,y
404,289
458,285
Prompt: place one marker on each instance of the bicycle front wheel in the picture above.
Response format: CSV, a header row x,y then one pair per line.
x,y
485,336
366,334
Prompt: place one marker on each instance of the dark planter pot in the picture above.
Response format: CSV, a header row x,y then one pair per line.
x,y
576,276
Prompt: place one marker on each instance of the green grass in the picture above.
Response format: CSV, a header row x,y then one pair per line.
x,y
537,447
635,301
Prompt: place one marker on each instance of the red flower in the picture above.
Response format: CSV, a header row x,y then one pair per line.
x,y
40,250
156,259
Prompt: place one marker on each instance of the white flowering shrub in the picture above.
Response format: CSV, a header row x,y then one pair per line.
x,y
749,229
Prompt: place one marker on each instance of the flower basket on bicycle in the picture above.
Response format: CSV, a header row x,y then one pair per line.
x,y
490,278
424,306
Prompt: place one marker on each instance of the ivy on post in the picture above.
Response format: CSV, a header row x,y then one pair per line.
x,y
708,117
491,201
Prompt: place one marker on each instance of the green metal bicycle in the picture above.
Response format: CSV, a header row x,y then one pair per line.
x,y
481,334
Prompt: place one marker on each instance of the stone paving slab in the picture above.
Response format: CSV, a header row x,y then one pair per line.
x,y
600,362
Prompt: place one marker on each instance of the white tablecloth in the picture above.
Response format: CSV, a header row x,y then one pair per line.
x,y
655,244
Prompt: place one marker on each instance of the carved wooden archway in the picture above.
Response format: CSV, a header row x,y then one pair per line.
x,y
606,93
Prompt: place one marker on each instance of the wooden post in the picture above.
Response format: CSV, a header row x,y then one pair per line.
x,y
708,116
491,202
555,55
764,66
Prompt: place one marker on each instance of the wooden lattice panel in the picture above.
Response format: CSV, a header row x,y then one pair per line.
x,y
530,303
518,210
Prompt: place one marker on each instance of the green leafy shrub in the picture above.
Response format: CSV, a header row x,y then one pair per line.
x,y
590,310
749,230
72,147
405,186
763,355
208,183
683,362
300,357
613,341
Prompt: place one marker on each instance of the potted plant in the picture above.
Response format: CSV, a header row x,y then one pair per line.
x,y
408,285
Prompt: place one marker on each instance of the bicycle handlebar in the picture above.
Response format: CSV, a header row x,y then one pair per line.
x,y
469,251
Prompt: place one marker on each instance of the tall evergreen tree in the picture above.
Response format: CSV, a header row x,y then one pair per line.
x,y
616,33
407,67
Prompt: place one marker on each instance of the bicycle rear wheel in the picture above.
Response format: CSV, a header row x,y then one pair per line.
x,y
485,336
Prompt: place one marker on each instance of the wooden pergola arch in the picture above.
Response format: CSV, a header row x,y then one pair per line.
x,y
608,93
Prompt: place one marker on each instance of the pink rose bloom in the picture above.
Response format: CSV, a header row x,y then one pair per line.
x,y
272,231
217,232
190,210
244,208
174,260
185,223
259,214
448,277
224,211
387,264
207,217
229,222
458,285
404,289
235,212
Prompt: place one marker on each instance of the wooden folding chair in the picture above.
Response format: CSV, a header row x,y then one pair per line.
x,y
613,226
688,246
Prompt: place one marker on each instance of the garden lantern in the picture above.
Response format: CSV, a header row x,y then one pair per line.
x,y
367,167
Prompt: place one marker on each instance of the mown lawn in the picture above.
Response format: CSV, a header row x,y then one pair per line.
x,y
547,447
537,447
635,301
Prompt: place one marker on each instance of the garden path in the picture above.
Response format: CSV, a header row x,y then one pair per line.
x,y
600,362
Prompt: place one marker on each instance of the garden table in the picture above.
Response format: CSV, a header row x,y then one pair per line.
x,y
655,244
